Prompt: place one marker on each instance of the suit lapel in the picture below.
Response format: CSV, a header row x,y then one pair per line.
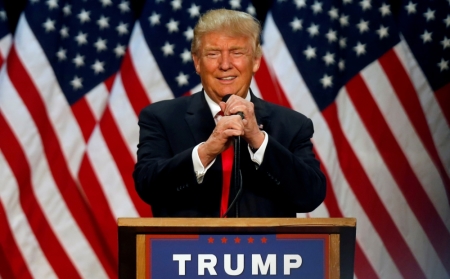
x,y
262,112
199,119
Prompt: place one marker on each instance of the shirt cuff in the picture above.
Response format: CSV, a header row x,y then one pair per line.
x,y
199,169
258,156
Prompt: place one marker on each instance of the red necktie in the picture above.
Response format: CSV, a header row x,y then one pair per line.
x,y
227,168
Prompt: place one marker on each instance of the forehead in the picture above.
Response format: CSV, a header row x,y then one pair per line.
x,y
224,39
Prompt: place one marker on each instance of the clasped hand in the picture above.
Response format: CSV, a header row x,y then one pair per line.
x,y
229,126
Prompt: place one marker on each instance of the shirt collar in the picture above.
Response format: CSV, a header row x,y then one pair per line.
x,y
214,107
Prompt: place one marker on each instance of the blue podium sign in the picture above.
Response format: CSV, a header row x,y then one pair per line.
x,y
237,255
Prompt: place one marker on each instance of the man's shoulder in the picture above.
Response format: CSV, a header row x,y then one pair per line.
x,y
282,111
169,106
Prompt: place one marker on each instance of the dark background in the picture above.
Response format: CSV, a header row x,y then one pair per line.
x,y
14,8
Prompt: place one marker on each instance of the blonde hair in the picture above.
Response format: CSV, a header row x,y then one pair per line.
x,y
234,22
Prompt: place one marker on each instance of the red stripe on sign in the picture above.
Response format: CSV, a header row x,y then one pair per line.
x,y
400,168
12,263
122,157
50,245
269,87
57,163
370,201
407,95
85,118
135,92
99,206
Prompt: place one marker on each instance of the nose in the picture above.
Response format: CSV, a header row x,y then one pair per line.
x,y
225,61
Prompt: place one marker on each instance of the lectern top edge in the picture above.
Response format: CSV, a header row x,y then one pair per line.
x,y
235,222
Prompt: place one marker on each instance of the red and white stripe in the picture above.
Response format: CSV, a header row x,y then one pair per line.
x,y
381,167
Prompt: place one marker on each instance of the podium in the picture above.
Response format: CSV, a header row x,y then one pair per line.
x,y
236,247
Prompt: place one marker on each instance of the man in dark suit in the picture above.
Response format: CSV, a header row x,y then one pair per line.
x,y
182,142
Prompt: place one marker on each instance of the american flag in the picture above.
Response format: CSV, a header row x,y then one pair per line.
x,y
377,89
375,82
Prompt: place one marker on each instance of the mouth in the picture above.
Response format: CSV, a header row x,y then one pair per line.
x,y
227,78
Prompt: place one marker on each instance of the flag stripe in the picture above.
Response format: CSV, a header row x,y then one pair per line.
x,y
384,183
12,264
50,244
123,159
368,198
404,89
85,117
58,166
443,97
99,206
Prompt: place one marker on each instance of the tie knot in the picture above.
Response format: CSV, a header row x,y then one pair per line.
x,y
218,116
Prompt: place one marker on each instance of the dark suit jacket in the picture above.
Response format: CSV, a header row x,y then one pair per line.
x,y
288,181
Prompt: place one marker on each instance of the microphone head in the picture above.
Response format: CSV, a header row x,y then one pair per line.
x,y
226,97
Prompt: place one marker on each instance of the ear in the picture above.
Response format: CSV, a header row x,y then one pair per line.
x,y
256,64
196,63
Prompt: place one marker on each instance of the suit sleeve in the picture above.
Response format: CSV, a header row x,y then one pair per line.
x,y
159,172
294,171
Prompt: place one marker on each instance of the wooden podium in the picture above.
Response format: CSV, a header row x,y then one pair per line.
x,y
333,238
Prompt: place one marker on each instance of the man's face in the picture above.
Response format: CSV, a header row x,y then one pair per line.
x,y
225,64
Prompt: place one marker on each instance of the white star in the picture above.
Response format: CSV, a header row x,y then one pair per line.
x,y
189,34
103,22
186,56
445,43
331,36
78,60
194,10
447,21
360,49
124,6
426,36
363,26
333,13
182,79
383,32
106,2
76,83
411,7
3,16
172,26
317,7
343,20
67,10
385,10
296,24
84,16
310,52
61,54
313,30
347,1
300,3
81,38
167,49
154,19
343,42
64,31
52,4
235,4
327,81
328,58
443,64
365,5
122,28
341,65
119,50
251,10
429,15
100,44
98,67
49,25
176,4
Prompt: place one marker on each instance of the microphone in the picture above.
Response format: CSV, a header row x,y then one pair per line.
x,y
225,99
236,167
